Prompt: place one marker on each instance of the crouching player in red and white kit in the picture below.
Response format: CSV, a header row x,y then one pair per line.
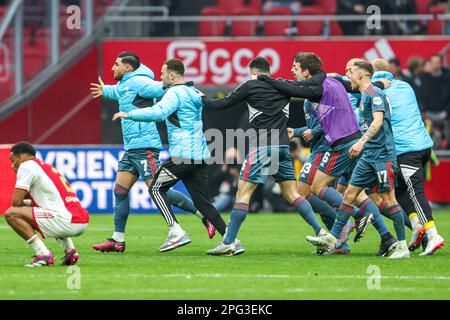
x,y
55,210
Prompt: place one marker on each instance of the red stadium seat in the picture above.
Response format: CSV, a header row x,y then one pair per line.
x,y
310,28
228,6
256,4
244,28
335,29
277,28
436,27
422,6
213,28
328,7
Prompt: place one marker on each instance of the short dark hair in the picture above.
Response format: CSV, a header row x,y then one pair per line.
x,y
366,66
309,61
130,58
260,64
175,65
23,148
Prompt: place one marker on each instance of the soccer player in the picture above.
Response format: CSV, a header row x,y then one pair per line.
x,y
413,149
339,124
137,89
363,202
181,108
269,152
54,210
313,134
377,166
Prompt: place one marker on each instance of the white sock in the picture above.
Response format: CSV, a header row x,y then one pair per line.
x,y
119,236
66,244
198,214
431,232
415,222
38,246
176,229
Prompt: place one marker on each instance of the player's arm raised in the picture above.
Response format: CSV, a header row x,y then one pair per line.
x,y
238,95
382,84
151,89
291,89
159,112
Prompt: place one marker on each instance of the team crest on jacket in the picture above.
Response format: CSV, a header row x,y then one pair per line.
x,y
377,101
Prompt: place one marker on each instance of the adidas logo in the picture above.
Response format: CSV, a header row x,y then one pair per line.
x,y
382,49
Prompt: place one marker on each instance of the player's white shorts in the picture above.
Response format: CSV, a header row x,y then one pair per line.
x,y
56,224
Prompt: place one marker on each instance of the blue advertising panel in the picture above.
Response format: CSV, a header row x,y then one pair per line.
x,y
92,170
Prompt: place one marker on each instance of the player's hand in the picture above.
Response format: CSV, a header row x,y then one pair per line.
x,y
290,133
386,82
120,115
356,149
308,135
97,88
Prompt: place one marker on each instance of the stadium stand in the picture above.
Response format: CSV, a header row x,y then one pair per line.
x,y
244,28
213,28
277,28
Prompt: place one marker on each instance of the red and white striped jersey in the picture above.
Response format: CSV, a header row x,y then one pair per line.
x,y
49,189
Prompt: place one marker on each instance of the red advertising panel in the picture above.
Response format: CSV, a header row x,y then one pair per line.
x,y
8,179
224,62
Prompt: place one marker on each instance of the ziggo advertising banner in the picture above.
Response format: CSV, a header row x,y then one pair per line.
x,y
225,62
91,171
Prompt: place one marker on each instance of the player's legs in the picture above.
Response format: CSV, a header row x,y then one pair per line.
x,y
334,164
365,204
412,197
196,183
166,177
300,203
309,170
240,210
124,182
146,162
22,222
320,188
341,186
330,240
345,210
125,179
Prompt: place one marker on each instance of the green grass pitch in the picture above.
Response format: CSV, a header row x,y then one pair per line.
x,y
278,264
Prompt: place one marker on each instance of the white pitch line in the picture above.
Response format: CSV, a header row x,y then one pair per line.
x,y
218,275
191,290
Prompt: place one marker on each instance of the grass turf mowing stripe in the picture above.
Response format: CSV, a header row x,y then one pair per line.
x,y
278,264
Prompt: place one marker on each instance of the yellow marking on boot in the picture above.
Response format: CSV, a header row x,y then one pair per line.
x,y
430,224
412,215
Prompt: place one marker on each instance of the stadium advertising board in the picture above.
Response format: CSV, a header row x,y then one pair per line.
x,y
92,172
224,62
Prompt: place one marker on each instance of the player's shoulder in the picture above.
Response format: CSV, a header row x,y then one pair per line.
x,y
374,91
30,166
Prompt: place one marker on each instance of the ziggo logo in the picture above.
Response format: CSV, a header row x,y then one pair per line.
x,y
198,61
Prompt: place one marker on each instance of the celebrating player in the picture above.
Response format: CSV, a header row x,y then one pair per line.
x,y
181,107
137,89
413,149
269,152
54,210
341,130
377,166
